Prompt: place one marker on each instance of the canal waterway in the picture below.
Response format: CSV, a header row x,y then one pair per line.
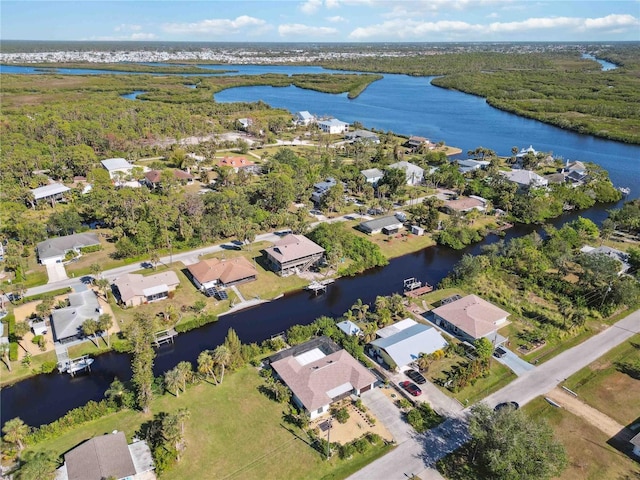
x,y
399,103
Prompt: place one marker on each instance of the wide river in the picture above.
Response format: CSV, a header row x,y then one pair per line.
x,y
398,103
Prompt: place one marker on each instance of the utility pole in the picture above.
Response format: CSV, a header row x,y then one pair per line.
x,y
330,422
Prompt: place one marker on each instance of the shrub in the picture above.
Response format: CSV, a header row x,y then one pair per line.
x,y
48,367
361,445
404,403
196,322
36,340
347,450
360,406
415,420
91,249
13,351
341,415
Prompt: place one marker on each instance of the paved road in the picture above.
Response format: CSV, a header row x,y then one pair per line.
x,y
418,454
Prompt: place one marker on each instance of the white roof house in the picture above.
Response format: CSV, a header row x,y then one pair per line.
x,y
373,175
54,190
303,118
117,165
414,173
526,178
525,151
406,345
396,327
333,126
349,328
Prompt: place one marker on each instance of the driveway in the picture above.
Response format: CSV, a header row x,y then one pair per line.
x,y
390,415
439,401
56,272
515,363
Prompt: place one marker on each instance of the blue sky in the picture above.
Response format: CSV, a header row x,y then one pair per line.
x,y
323,20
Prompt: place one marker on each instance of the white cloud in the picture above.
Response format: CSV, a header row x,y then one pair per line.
x,y
298,29
139,36
216,26
143,36
336,19
413,29
311,6
492,15
127,27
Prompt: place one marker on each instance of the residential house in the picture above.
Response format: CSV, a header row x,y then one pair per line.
x,y
417,230
471,318
414,173
54,250
469,165
466,204
239,163
134,289
524,152
215,272
620,256
117,167
333,126
364,136
108,456
402,343
576,166
556,178
319,374
373,175
197,158
349,328
525,178
153,177
417,143
51,193
67,322
635,441
293,253
303,118
387,225
244,123
320,188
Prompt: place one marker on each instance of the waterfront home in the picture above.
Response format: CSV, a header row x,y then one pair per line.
x,y
214,272
387,225
414,173
524,152
67,322
319,374
152,178
133,289
556,178
51,193
321,188
416,143
621,257
108,456
244,123
364,136
239,163
117,167
525,178
293,253
54,250
303,118
469,165
402,343
470,318
372,175
333,126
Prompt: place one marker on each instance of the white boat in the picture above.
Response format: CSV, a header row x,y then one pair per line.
x,y
79,365
625,190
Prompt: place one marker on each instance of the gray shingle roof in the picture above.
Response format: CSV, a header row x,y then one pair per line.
x,y
99,458
82,306
379,223
55,247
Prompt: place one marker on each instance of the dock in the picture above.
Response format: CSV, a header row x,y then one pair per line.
x,y
164,336
414,288
319,287
71,365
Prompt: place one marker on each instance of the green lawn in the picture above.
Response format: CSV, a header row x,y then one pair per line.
x,y
590,456
605,388
233,432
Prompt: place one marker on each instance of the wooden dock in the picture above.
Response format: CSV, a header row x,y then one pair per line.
x,y
414,288
165,336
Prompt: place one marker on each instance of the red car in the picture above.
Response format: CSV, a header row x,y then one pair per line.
x,y
411,387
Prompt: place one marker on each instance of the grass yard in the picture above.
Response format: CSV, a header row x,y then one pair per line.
x,y
20,372
234,431
432,299
605,388
395,245
590,457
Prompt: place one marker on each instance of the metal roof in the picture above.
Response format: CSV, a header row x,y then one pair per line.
x,y
116,164
406,346
49,190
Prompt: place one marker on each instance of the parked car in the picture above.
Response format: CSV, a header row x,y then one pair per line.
x,y
499,352
416,376
507,405
411,387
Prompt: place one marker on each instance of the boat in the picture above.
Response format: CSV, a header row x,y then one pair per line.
x,y
625,190
83,363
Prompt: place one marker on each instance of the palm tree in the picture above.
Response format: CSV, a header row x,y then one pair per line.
x,y
186,373
358,307
206,365
155,259
105,322
103,285
182,415
4,349
221,356
369,331
170,312
89,328
20,330
95,269
15,431
173,381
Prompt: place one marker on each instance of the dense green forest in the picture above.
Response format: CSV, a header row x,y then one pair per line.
x,y
559,88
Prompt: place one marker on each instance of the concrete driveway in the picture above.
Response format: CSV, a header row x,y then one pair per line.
x,y
56,272
439,401
390,415
515,363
